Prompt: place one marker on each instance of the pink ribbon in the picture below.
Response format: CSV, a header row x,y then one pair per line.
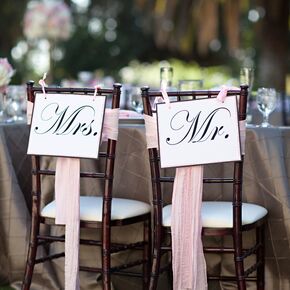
x,y
164,94
67,198
151,131
223,92
67,195
242,124
188,262
110,125
96,91
242,129
42,83
29,109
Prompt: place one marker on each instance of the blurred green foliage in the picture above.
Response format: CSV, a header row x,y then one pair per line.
x,y
148,73
110,35
90,51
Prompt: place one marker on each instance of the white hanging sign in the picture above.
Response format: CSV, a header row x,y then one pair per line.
x,y
198,132
66,125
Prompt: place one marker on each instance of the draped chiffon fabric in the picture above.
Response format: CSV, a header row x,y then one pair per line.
x,y
67,197
188,262
67,191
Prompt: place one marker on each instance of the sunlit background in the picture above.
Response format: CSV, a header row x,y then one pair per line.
x,y
89,41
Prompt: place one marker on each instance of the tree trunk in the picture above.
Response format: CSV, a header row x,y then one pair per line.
x,y
272,63
11,17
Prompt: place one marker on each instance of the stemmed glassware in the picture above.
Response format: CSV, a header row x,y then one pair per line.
x,y
166,76
15,104
190,85
247,77
135,99
166,80
266,103
2,107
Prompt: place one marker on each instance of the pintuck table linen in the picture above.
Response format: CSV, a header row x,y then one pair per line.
x,y
266,182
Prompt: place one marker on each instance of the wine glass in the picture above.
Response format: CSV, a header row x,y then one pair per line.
x,y
2,106
266,103
135,99
190,85
166,76
15,106
166,80
247,77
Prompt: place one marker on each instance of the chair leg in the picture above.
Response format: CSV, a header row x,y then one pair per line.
x,y
147,253
31,256
242,284
239,263
260,257
170,277
106,259
155,269
106,274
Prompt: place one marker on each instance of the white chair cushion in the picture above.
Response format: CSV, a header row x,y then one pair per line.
x,y
91,208
166,216
219,214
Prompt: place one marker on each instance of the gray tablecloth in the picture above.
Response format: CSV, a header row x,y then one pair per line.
x,y
266,182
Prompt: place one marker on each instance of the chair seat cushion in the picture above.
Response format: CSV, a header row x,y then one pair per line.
x,y
91,208
218,214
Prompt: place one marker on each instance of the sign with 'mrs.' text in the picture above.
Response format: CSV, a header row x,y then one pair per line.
x,y
197,132
66,125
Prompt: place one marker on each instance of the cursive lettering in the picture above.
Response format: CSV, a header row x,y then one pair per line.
x,y
193,129
60,121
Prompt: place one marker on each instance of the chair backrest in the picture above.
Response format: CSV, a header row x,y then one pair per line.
x,y
107,152
160,176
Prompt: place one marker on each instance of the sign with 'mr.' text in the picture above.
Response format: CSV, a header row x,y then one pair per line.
x,y
66,125
198,132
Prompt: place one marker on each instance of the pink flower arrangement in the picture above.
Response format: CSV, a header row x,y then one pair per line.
x,y
48,19
6,72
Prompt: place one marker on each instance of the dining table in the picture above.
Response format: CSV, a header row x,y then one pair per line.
x,y
266,182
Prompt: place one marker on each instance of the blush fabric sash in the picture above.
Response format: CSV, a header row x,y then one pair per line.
x,y
67,194
67,190
188,262
29,109
67,198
